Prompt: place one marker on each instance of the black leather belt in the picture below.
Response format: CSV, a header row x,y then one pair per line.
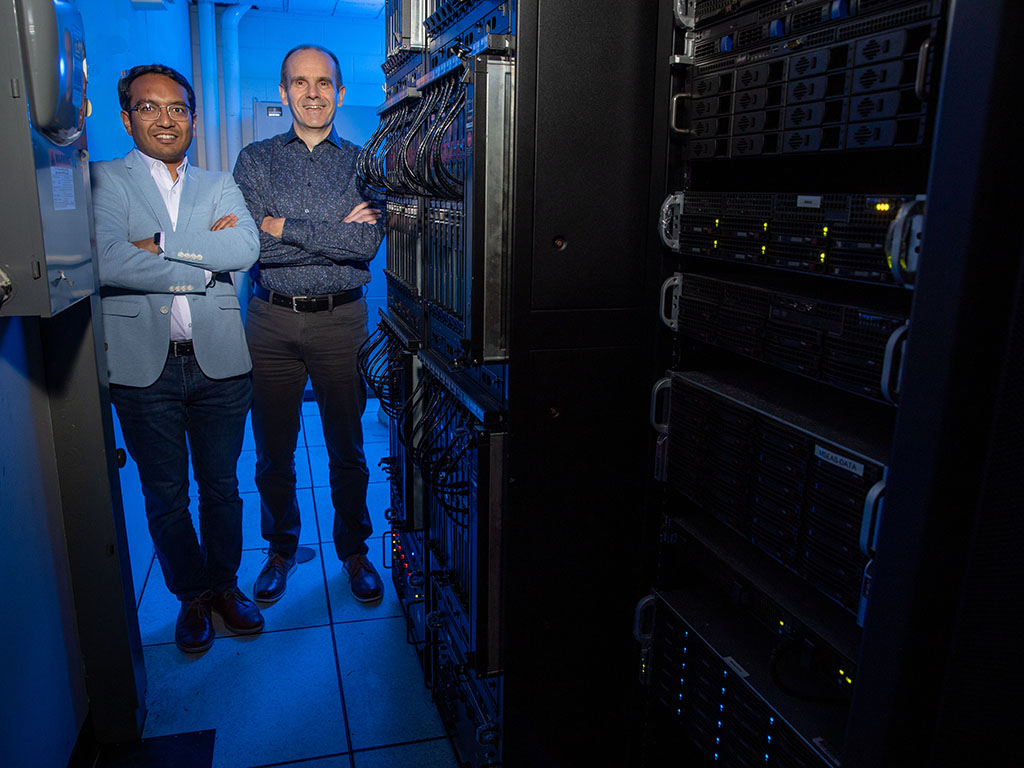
x,y
181,349
308,303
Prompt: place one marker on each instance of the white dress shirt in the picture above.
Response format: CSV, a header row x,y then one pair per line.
x,y
170,190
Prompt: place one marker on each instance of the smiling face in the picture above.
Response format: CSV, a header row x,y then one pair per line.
x,y
162,139
312,94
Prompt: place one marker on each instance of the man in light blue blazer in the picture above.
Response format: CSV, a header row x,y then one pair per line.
x,y
168,236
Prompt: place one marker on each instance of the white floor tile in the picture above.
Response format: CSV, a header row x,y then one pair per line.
x,y
271,697
425,754
383,685
338,761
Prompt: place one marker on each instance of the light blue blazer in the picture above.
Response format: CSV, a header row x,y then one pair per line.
x,y
137,286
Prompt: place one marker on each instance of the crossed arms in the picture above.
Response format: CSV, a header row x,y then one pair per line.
x,y
219,237
292,241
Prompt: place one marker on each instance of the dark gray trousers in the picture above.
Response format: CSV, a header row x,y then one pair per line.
x,y
286,347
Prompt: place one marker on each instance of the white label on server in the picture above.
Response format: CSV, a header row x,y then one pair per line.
x,y
840,461
808,201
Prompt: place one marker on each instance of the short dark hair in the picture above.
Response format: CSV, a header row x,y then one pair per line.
x,y
124,85
311,47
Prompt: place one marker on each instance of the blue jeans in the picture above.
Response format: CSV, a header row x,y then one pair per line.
x,y
286,347
156,420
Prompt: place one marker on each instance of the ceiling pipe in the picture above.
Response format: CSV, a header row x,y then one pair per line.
x,y
208,68
229,21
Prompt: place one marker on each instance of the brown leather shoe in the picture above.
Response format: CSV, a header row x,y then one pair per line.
x,y
240,614
363,579
193,632
273,579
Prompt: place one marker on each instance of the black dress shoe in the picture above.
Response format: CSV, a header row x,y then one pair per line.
x,y
240,614
273,579
363,579
193,632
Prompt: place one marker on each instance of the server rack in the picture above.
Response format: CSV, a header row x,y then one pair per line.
x,y
807,231
789,179
517,288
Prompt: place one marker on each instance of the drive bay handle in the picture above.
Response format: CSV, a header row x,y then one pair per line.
x,y
643,619
900,249
892,364
660,386
869,520
672,284
667,220
920,80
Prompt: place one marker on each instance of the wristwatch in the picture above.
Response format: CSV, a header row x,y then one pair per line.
x,y
157,241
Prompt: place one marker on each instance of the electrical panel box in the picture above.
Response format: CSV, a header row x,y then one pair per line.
x,y
49,249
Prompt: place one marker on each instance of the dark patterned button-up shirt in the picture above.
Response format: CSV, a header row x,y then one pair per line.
x,y
317,252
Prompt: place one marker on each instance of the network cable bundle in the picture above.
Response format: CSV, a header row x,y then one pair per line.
x,y
439,159
798,138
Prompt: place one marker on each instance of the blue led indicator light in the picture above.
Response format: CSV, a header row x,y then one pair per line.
x,y
771,721
721,707
719,723
769,739
723,689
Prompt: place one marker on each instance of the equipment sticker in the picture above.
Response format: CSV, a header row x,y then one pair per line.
x,y
840,461
62,179
808,201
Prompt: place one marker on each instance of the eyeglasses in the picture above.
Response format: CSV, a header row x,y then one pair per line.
x,y
148,111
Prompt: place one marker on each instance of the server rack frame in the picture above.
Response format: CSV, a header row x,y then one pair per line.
x,y
936,670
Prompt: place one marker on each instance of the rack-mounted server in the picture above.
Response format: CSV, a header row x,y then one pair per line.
x,y
851,347
810,77
869,238
782,466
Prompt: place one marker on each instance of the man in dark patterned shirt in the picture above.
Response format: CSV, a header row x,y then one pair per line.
x,y
307,316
